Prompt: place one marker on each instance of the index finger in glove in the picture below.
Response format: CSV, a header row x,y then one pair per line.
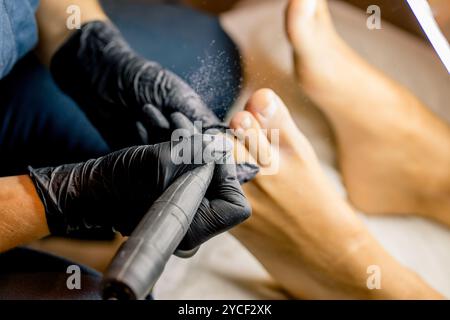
x,y
154,125
224,207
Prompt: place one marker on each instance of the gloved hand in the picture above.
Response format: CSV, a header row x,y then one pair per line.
x,y
105,76
112,193
119,89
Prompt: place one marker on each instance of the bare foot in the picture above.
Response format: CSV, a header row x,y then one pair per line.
x,y
301,230
394,154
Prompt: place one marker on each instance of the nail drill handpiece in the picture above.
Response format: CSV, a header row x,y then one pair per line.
x,y
140,261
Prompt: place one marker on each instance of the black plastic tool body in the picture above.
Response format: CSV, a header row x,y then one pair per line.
x,y
140,261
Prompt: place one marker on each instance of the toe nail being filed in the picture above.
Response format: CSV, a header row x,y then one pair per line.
x,y
310,7
269,110
246,123
239,133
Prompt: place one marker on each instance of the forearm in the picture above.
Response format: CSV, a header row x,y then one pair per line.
x,y
52,22
22,214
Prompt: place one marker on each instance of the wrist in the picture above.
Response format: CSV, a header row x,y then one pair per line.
x,y
68,197
22,215
52,17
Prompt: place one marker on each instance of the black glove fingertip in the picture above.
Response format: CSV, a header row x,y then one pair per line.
x,y
246,172
180,121
154,118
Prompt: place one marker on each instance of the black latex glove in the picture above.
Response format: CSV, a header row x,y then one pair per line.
x,y
126,96
113,84
112,193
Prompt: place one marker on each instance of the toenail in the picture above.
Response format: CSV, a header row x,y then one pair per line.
x,y
310,8
246,123
268,111
239,133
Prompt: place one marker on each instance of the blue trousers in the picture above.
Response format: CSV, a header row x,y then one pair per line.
x,y
41,126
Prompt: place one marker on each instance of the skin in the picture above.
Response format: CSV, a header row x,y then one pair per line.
x,y
22,215
301,230
305,235
51,18
389,165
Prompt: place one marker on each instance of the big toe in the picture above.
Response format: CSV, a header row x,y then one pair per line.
x,y
275,119
249,132
271,113
303,16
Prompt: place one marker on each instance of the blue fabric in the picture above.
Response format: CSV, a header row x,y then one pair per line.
x,y
28,274
40,125
186,41
18,31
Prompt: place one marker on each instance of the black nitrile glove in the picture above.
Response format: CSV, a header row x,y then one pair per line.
x,y
105,76
112,193
123,94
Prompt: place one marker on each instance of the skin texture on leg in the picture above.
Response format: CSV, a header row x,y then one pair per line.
x,y
22,215
40,126
304,234
393,152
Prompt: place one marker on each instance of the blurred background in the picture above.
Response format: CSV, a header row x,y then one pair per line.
x,y
395,11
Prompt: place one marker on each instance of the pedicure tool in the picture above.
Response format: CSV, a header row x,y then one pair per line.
x,y
141,260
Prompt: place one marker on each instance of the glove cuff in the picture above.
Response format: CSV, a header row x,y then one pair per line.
x,y
55,189
55,218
